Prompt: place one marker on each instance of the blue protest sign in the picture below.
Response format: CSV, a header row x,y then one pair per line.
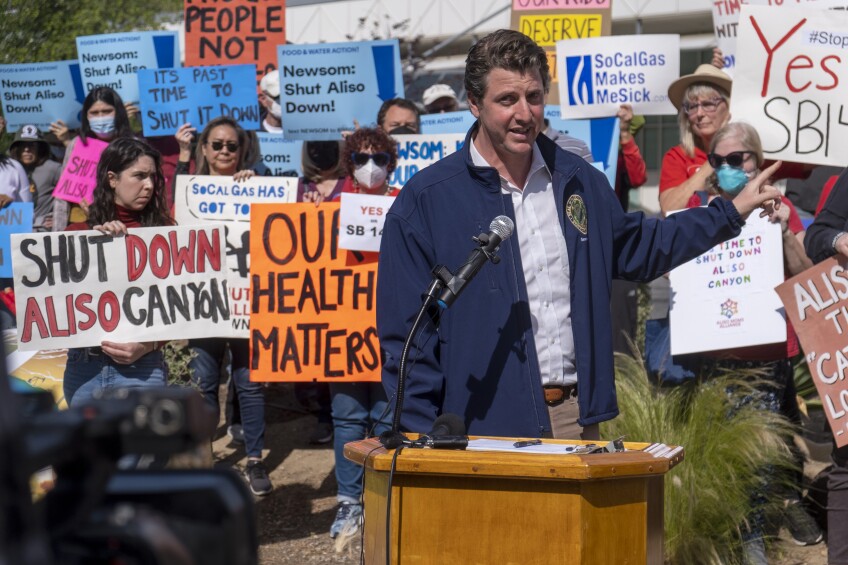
x,y
448,122
114,59
600,134
41,93
14,218
416,152
172,97
325,87
280,155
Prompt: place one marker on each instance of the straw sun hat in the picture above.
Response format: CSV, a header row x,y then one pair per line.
x,y
704,73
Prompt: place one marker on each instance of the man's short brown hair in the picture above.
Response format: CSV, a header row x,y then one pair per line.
x,y
503,49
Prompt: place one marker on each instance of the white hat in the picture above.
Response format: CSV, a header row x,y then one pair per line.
x,y
705,73
270,83
438,91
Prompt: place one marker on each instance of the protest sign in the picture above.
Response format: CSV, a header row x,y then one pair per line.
x,y
325,87
41,93
14,218
816,303
114,59
76,289
231,32
600,134
448,122
361,221
791,85
196,95
313,305
418,151
280,155
730,291
79,177
599,75
201,200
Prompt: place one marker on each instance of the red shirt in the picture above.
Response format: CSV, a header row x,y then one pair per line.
x,y
129,218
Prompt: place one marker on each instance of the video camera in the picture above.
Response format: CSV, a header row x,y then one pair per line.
x,y
96,513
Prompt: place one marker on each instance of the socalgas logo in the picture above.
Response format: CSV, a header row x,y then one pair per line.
x,y
615,78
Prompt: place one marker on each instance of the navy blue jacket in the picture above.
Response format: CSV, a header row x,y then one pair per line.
x,y
481,363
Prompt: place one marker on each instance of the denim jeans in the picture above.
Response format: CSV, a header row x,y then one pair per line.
x,y
206,373
89,371
357,407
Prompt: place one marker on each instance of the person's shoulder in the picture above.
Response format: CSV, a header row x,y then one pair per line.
x,y
437,175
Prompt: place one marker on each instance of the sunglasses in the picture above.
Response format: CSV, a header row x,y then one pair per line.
x,y
734,159
708,106
232,146
380,159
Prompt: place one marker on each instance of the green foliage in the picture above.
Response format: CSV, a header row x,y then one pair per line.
x,y
805,387
727,444
177,356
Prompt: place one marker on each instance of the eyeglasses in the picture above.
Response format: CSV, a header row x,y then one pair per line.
x,y
734,159
232,146
708,106
380,159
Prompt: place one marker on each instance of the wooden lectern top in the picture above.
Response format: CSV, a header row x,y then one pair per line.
x,y
632,463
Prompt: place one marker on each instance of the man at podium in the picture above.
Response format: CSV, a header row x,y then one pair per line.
x,y
527,349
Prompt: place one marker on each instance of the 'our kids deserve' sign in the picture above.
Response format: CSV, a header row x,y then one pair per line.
x,y
418,151
79,178
730,291
280,155
76,289
313,305
362,219
218,199
41,93
14,218
792,82
114,59
196,95
325,87
598,75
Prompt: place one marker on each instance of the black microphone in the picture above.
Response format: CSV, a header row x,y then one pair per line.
x,y
448,433
501,228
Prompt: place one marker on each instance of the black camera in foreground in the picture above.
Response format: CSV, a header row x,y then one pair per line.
x,y
98,514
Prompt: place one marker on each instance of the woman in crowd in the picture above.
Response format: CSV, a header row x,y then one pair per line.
x,y
130,193
221,150
360,409
33,153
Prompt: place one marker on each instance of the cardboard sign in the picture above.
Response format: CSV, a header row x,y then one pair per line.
x,y
14,218
41,93
79,177
313,305
816,303
231,32
792,83
600,134
418,151
729,290
599,75
447,122
325,87
362,219
202,200
114,59
196,95
280,155
76,289
560,4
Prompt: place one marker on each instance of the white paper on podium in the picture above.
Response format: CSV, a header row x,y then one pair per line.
x,y
508,445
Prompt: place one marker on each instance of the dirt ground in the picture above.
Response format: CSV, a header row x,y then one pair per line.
x,y
295,519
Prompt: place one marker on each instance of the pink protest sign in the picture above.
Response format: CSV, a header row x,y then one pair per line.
x,y
560,4
80,175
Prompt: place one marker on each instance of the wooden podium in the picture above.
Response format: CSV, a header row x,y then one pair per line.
x,y
470,507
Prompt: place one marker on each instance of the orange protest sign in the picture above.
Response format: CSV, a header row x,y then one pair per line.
x,y
232,32
816,303
313,305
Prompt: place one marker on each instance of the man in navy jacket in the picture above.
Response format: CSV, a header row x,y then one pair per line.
x,y
482,361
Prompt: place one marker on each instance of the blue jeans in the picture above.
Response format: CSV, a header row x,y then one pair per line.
x,y
357,408
89,371
206,373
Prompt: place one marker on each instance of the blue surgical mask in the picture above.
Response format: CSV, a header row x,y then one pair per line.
x,y
103,127
731,179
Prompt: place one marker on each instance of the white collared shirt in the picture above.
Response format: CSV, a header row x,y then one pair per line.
x,y
545,260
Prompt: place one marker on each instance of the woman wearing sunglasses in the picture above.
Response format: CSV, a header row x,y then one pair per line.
x,y
370,157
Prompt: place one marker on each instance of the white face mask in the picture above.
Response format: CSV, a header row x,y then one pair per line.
x,y
370,175
276,110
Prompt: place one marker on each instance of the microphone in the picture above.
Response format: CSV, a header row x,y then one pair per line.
x,y
500,229
448,433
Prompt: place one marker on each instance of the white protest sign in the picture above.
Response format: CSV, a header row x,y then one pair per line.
x,y
792,83
77,289
361,221
200,200
599,74
418,151
729,291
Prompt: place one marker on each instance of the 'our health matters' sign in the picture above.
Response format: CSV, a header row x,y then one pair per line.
x,y
114,59
41,93
325,87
